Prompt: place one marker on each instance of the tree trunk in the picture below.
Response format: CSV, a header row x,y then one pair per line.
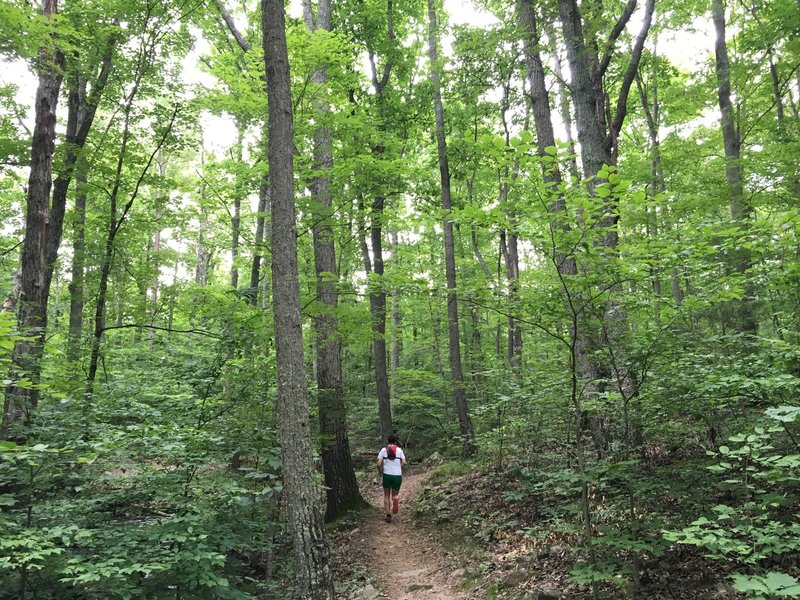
x,y
377,291
76,300
203,254
397,316
566,114
264,206
741,211
377,305
115,221
340,480
105,266
156,256
459,392
598,134
32,313
311,553
236,217
588,95
657,185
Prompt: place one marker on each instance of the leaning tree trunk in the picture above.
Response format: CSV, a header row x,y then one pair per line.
x,y
741,210
311,553
341,486
459,392
32,315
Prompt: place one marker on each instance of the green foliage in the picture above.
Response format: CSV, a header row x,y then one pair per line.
x,y
772,585
755,529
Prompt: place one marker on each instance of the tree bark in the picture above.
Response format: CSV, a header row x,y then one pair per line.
x,y
236,217
32,312
741,210
226,16
459,392
311,553
79,125
377,305
377,291
76,285
264,207
341,491
397,316
203,254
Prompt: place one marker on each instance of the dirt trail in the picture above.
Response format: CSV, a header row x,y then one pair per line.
x,y
407,563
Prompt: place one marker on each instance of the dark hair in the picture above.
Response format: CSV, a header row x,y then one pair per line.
x,y
392,439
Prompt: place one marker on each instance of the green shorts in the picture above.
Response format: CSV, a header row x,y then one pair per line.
x,y
392,481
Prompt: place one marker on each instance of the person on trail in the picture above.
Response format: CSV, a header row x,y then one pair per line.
x,y
391,460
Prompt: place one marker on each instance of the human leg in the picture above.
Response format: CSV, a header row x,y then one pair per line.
x,y
387,500
395,499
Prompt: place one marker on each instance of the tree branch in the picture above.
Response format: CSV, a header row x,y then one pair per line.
x,y
630,73
237,35
167,329
615,33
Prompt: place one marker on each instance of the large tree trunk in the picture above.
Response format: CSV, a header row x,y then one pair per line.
x,y
740,207
588,95
32,314
311,553
598,134
341,486
459,392
82,111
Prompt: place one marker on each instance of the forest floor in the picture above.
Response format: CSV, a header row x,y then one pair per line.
x,y
399,560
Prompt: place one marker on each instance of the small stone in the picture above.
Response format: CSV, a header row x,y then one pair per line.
x,y
546,594
516,578
355,531
368,593
525,559
724,590
409,574
419,587
458,573
557,551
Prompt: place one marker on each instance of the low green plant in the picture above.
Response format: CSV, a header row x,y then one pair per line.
x,y
754,529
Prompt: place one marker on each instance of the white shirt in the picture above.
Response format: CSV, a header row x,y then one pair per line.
x,y
392,467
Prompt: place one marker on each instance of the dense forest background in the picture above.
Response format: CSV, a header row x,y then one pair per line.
x,y
554,246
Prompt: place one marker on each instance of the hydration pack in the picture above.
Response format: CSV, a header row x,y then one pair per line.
x,y
391,452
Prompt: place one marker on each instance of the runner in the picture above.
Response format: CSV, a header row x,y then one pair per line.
x,y
391,460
